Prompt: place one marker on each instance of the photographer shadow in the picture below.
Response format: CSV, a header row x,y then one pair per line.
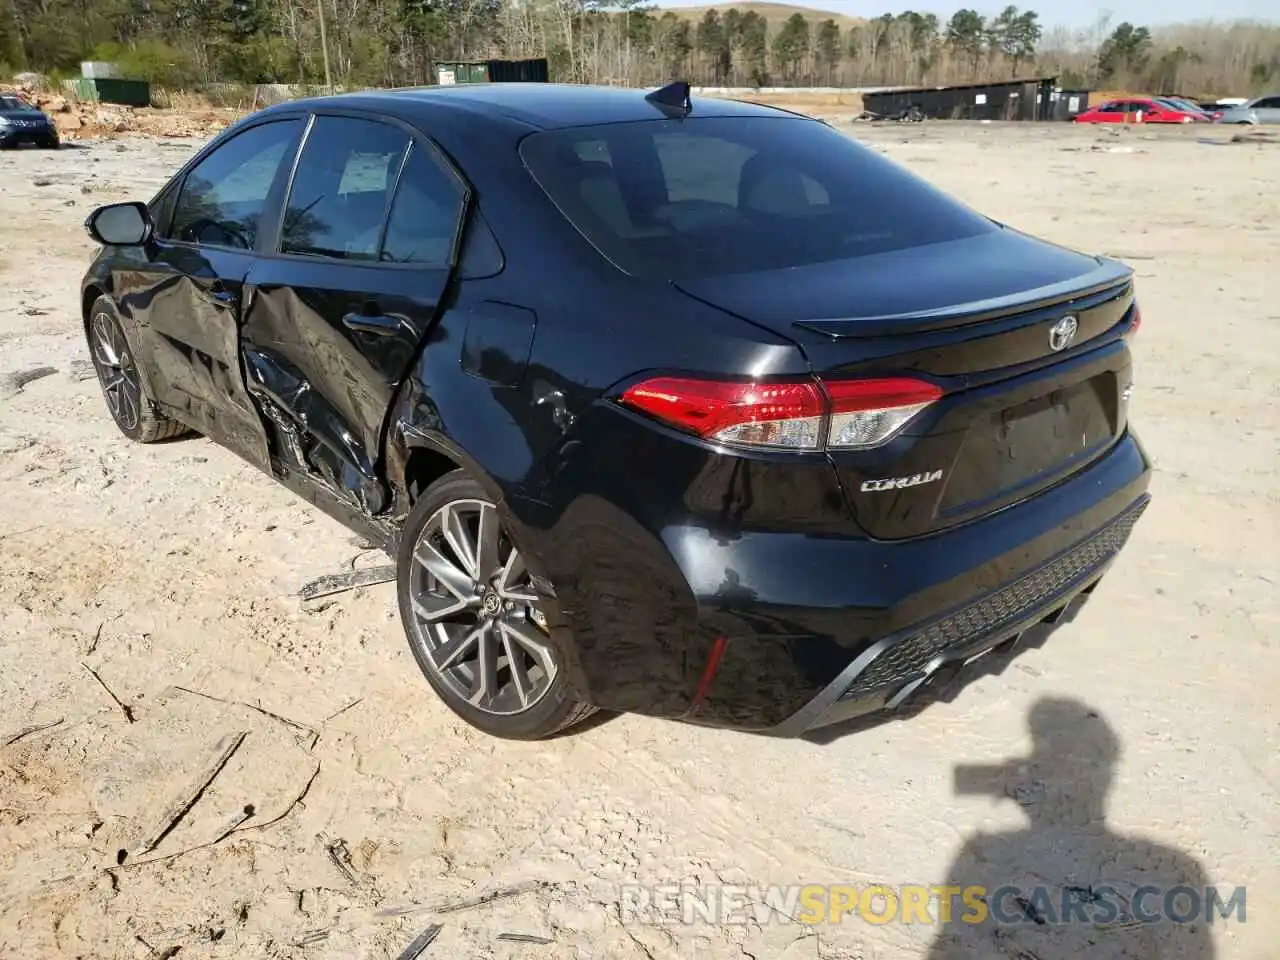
x,y
1066,886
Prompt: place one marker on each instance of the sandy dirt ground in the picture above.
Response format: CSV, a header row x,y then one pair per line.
x,y
149,612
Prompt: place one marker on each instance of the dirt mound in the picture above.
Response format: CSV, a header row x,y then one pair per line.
x,y
85,120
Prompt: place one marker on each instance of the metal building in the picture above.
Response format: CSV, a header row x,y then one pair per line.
x,y
1033,99
1069,103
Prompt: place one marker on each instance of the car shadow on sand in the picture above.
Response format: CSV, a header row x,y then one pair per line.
x,y
1065,885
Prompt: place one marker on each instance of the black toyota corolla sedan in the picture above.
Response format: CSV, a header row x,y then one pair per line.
x,y
699,410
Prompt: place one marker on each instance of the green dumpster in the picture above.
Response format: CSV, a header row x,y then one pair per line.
x,y
128,93
462,72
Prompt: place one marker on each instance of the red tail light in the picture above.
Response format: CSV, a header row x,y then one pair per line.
x,y
800,415
761,414
1137,320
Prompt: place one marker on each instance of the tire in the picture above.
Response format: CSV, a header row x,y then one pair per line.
x,y
465,635
113,348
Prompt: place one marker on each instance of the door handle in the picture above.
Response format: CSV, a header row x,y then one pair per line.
x,y
380,326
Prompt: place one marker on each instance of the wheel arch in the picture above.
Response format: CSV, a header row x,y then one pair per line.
x,y
88,297
417,458
425,463
96,287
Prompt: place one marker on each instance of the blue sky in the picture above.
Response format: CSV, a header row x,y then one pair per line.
x,y
1146,12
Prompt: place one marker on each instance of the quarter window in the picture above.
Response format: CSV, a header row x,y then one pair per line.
x,y
224,196
161,209
425,213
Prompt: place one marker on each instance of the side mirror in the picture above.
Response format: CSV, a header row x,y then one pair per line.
x,y
120,225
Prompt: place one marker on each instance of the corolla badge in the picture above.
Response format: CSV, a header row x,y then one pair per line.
x,y
901,483
1062,333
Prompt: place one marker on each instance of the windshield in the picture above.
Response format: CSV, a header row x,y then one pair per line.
x,y
9,102
705,197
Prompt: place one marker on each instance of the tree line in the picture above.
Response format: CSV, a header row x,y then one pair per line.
x,y
189,43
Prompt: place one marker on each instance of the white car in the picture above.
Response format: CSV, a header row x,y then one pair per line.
x,y
1259,110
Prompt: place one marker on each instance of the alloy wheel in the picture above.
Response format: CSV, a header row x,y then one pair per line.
x,y
475,611
116,370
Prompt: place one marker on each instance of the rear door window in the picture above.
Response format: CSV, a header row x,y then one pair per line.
x,y
224,196
342,188
708,196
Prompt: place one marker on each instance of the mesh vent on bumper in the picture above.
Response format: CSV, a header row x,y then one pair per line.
x,y
907,658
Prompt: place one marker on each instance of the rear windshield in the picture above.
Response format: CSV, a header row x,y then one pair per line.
x,y
704,197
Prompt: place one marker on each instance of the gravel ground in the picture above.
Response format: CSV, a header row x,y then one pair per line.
x,y
149,611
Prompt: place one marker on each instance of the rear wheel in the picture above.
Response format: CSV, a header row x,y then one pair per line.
x,y
115,360
472,617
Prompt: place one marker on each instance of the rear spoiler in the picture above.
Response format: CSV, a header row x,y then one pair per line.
x,y
1111,275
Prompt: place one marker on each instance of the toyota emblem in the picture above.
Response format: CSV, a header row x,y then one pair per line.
x,y
1062,333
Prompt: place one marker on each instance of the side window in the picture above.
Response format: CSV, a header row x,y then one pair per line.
x,y
161,209
1270,103
425,213
480,255
338,201
224,196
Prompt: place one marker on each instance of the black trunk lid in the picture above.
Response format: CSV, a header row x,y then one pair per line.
x,y
1021,410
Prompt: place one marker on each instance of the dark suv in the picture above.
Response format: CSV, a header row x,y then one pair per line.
x,y
24,123
696,410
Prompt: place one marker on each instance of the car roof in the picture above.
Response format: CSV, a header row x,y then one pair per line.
x,y
545,106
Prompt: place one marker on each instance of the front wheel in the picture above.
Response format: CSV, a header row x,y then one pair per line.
x,y
115,361
473,619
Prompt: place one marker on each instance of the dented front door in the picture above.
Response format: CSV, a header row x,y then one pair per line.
x,y
190,331
188,301
337,311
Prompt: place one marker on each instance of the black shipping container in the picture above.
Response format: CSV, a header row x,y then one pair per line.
x,y
492,71
1014,100
519,71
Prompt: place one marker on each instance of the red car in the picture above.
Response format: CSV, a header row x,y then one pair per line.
x,y
1138,110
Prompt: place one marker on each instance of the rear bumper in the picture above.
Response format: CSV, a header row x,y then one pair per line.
x,y
11,137
782,632
892,671
869,620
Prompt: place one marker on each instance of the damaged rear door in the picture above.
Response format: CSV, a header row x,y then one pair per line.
x,y
362,259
